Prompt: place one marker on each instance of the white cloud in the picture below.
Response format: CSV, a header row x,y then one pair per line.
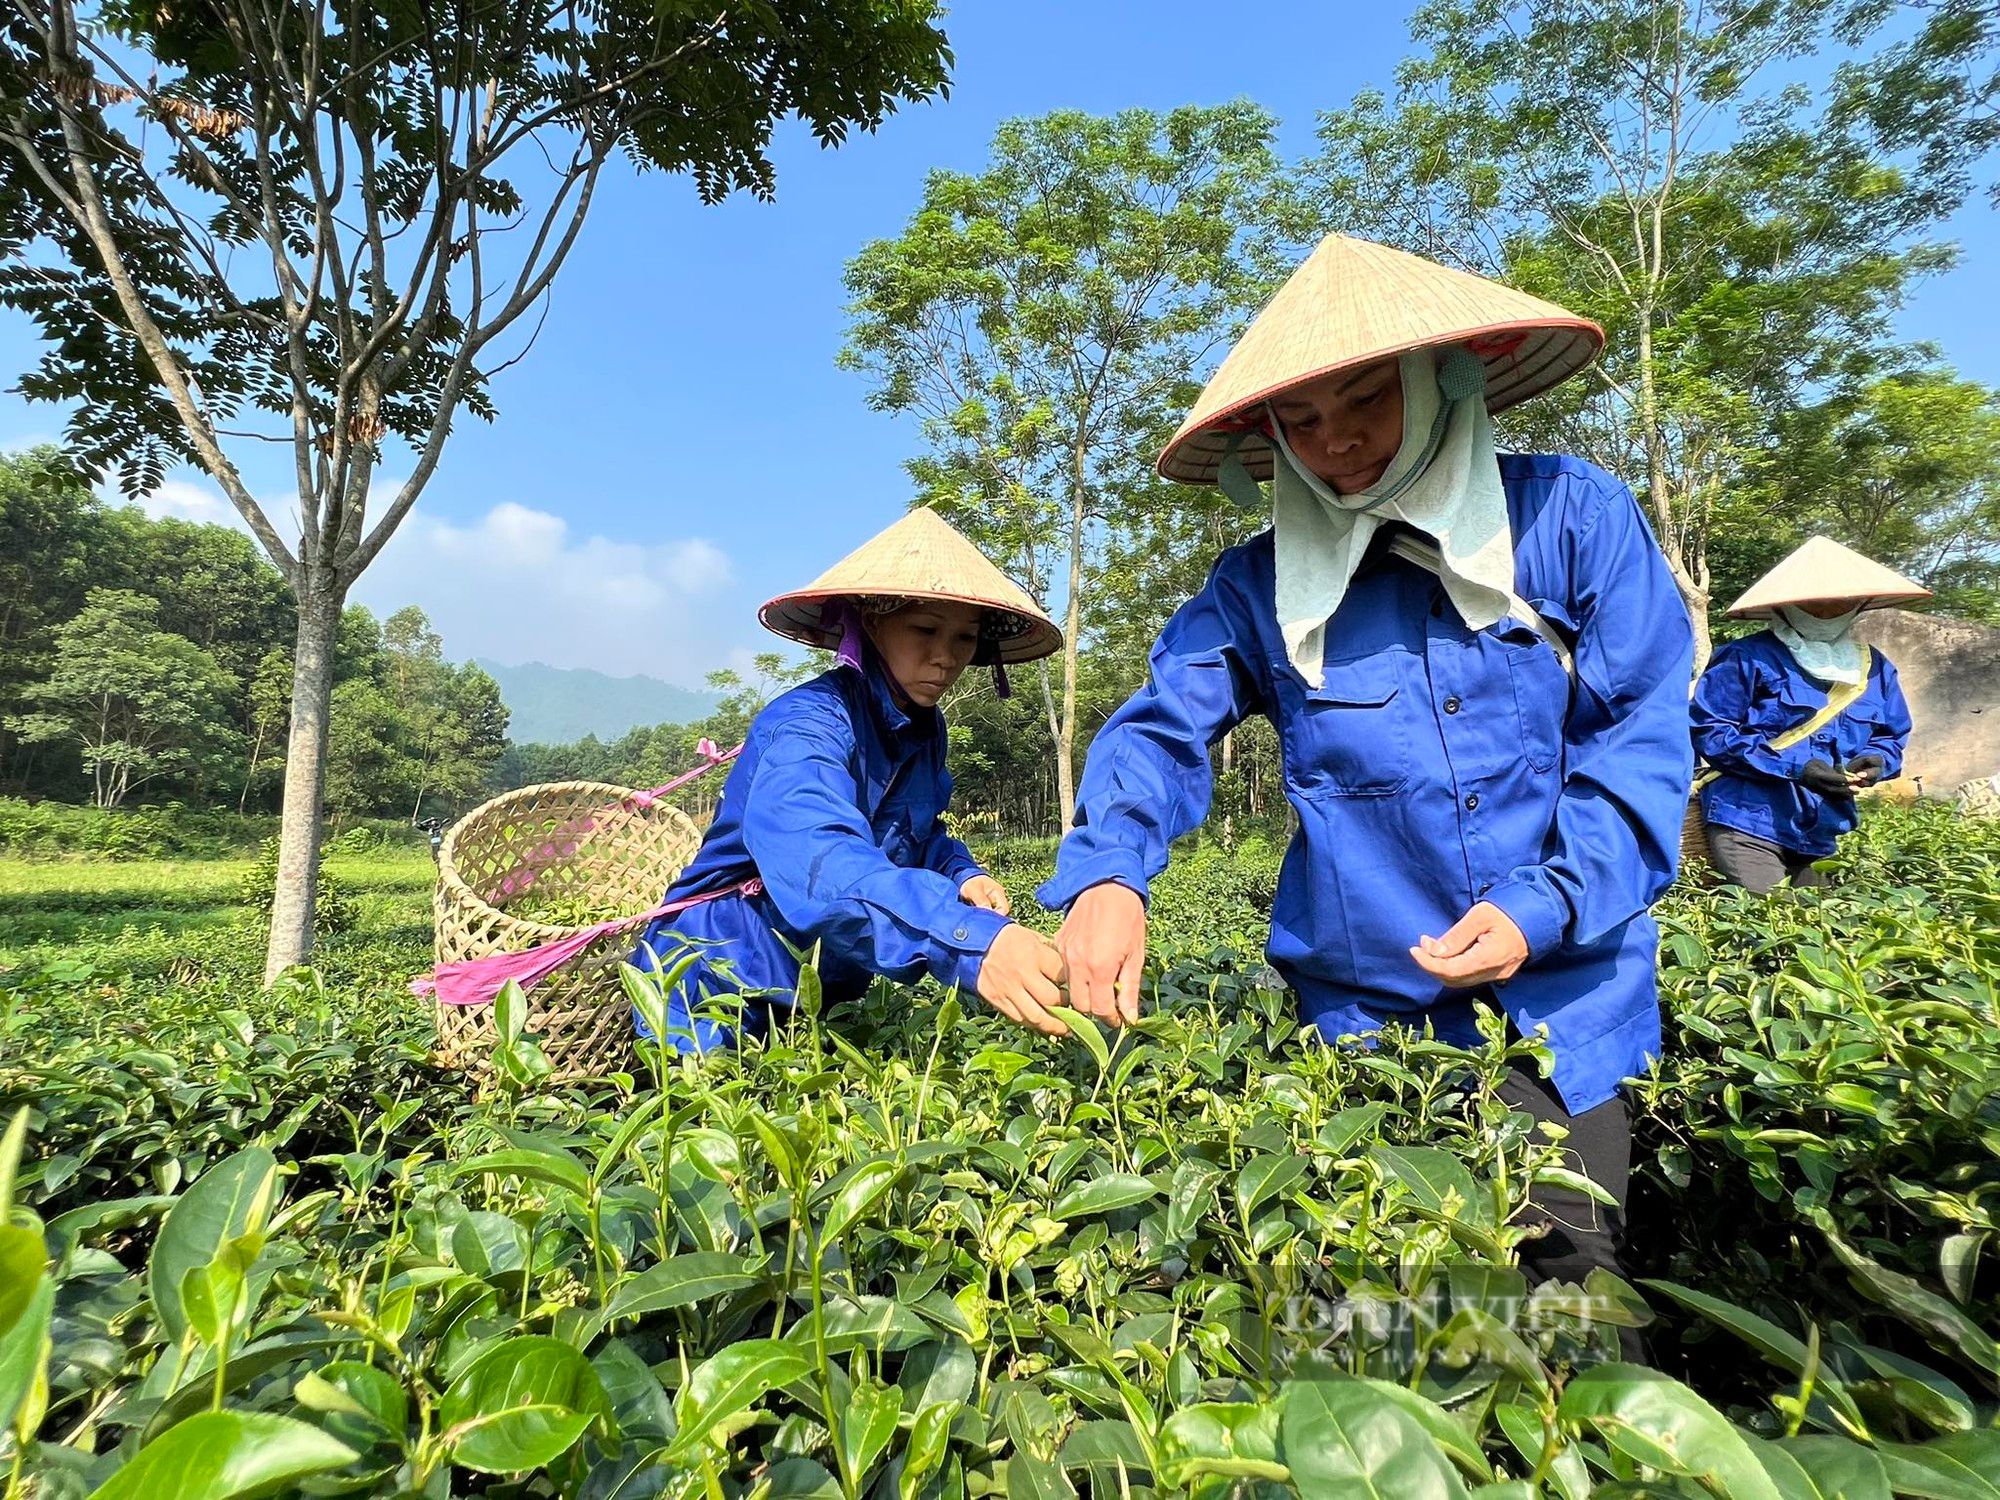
x,y
516,586
178,500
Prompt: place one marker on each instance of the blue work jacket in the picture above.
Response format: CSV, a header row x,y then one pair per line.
x,y
834,805
1753,691
1437,767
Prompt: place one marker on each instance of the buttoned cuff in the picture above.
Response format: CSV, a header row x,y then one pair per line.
x,y
1541,914
963,871
1110,866
962,947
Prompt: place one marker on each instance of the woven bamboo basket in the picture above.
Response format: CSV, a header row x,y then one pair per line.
x,y
1697,859
558,840
1695,856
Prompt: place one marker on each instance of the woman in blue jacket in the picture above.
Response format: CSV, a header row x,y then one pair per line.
x,y
1794,721
828,834
1477,666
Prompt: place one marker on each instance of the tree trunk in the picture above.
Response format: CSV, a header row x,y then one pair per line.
x,y
1229,812
1695,598
250,775
1072,617
305,776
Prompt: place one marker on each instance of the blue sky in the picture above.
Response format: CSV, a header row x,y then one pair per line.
x,y
678,446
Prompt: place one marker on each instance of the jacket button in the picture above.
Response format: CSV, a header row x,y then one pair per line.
x,y
1471,801
1451,705
960,934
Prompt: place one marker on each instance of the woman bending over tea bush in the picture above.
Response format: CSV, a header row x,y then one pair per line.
x,y
1797,719
828,830
1477,665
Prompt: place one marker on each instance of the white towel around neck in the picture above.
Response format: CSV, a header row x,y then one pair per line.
x,y
1444,481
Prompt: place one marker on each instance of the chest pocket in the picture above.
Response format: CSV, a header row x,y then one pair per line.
x,y
1541,692
904,819
1350,736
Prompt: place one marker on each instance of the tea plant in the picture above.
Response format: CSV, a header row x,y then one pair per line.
x,y
259,1244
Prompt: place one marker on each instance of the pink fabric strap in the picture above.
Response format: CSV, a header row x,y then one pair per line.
x,y
475,981
562,843
710,759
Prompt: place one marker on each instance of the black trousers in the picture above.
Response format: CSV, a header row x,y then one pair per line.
x,y
1582,1233
1758,864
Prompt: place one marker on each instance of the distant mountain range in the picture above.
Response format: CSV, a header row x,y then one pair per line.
x,y
555,705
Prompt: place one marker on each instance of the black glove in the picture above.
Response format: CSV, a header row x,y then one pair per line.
x,y
1824,777
1868,767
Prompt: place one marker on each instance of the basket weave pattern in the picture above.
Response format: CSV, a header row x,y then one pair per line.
x,y
565,839
1697,861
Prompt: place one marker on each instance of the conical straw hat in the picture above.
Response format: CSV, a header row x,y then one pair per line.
x,y
1823,569
1354,302
920,557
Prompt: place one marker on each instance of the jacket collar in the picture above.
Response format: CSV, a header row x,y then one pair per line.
x,y
895,726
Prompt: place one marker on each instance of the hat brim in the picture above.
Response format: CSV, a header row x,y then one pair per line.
x,y
1528,358
797,617
1867,602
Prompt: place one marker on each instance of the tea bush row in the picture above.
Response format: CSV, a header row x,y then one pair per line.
x,y
902,1253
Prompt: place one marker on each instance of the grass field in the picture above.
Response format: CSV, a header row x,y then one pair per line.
x,y
113,913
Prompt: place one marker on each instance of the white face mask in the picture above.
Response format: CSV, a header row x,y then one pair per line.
x,y
1823,649
1444,482
1817,628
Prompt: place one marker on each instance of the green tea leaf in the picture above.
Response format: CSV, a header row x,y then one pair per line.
x,y
1086,1030
22,1257
1103,1195
1343,1439
866,1424
861,1192
1822,1468
225,1202
727,1383
24,1347
1266,1177
1654,1419
361,1404
682,1281
1785,1350
1032,1478
1963,1466
930,1437
1103,1448
550,1168
1436,1180
521,1405
1939,1321
1348,1127
225,1455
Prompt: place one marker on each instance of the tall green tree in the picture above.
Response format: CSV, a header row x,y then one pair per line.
x,y
1045,321
319,223
141,704
267,703
1906,468
1655,165
47,559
